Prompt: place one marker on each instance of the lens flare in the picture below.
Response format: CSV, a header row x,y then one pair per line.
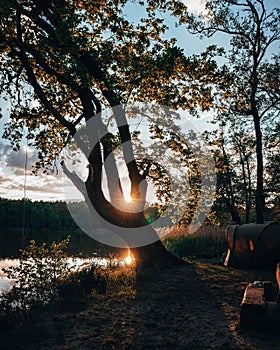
x,y
128,259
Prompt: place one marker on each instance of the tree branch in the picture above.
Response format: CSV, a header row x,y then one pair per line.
x,y
32,78
75,179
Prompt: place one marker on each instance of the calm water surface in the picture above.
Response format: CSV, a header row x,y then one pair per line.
x,y
77,263
5,283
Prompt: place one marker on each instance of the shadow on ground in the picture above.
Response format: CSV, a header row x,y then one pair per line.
x,y
189,307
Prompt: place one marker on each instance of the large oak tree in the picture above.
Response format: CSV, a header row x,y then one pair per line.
x,y
64,61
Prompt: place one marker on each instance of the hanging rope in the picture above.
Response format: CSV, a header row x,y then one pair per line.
x,y
24,195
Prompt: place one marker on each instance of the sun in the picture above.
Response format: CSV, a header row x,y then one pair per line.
x,y
128,260
127,198
126,192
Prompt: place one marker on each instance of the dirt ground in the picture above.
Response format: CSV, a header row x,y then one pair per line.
x,y
189,307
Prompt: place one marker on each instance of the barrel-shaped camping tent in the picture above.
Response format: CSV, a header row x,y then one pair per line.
x,y
253,245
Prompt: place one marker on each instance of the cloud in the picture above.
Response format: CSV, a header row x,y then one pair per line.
x,y
4,148
4,179
44,189
37,184
12,165
17,159
40,184
18,172
195,6
12,172
34,188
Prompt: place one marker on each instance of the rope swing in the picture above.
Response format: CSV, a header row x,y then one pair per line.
x,y
24,196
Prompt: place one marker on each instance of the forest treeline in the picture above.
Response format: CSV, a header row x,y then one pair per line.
x,y
35,215
22,221
236,164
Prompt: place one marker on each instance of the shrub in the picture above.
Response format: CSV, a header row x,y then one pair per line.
x,y
37,277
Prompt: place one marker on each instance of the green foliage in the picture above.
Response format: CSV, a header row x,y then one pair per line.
x,y
247,93
38,215
37,278
272,180
45,279
232,152
80,57
82,53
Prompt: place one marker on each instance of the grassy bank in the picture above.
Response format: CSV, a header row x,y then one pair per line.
x,y
208,241
191,307
195,306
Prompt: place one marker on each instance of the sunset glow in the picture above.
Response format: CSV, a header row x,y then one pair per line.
x,y
126,189
127,198
195,7
128,259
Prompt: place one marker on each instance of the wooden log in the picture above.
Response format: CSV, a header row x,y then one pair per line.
x,y
278,274
270,291
254,295
253,312
278,282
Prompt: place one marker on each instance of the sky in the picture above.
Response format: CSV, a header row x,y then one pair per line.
x,y
51,187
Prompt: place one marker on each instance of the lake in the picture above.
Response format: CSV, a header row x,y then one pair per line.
x,y
80,243
5,283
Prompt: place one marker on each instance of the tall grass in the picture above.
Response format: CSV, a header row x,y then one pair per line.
x,y
118,278
208,241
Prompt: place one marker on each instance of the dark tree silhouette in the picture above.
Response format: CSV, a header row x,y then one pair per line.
x,y
80,57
